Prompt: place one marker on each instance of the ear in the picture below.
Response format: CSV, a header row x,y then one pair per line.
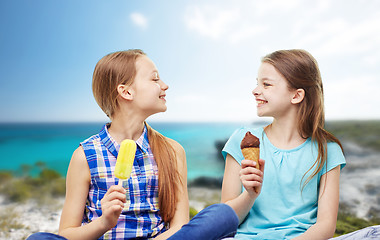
x,y
125,92
299,95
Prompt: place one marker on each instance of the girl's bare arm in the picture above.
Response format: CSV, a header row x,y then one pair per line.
x,y
328,204
77,187
235,177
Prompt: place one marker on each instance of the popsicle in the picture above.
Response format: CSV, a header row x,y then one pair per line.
x,y
125,158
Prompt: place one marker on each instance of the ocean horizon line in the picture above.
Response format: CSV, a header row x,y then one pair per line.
x,y
153,122
149,122
267,120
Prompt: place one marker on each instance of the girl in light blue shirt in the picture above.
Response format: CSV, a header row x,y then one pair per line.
x,y
297,195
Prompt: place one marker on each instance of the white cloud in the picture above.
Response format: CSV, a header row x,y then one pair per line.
x,y
218,23
139,20
318,26
263,8
246,31
210,21
338,36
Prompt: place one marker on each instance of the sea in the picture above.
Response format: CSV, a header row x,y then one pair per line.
x,y
24,146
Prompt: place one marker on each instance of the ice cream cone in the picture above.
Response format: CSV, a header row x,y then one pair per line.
x,y
252,153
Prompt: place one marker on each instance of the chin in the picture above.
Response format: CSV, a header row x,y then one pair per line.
x,y
263,115
163,109
259,114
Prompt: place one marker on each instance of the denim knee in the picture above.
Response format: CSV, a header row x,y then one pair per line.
x,y
45,236
225,214
217,221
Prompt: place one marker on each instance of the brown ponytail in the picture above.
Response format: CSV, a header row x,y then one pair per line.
x,y
168,175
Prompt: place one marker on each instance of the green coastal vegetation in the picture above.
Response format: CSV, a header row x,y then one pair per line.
x,y
47,184
367,135
364,133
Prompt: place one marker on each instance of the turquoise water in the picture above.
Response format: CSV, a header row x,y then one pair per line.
x,y
54,143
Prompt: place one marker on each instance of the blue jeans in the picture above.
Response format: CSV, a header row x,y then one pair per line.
x,y
215,222
372,232
367,233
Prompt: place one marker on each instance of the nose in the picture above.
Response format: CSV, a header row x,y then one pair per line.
x,y
255,91
164,86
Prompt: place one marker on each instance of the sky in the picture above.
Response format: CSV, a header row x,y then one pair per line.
x,y
208,52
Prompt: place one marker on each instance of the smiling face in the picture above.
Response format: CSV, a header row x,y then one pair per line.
x,y
273,95
147,88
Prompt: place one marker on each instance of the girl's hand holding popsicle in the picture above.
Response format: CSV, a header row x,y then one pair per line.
x,y
113,201
112,205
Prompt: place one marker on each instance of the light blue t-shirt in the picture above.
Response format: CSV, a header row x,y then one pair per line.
x,y
282,210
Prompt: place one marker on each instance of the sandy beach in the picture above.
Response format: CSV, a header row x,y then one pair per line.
x,y
19,220
22,219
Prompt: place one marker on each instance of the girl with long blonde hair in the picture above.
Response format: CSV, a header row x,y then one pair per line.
x,y
153,202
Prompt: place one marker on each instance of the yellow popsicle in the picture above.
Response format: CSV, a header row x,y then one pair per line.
x,y
125,158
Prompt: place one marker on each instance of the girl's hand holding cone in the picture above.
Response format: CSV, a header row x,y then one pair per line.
x,y
251,177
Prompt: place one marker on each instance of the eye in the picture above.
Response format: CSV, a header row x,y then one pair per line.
x,y
266,84
155,77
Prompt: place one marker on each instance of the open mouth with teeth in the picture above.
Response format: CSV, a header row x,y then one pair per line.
x,y
260,102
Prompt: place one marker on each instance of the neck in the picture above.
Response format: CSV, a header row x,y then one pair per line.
x,y
284,134
126,126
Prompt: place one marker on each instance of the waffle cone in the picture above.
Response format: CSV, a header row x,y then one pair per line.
x,y
252,153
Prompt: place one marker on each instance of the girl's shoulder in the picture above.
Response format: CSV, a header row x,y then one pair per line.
x,y
179,153
333,146
176,146
232,146
91,139
239,133
90,142
334,151
103,134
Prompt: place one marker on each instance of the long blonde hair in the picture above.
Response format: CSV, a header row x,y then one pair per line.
x,y
119,68
301,71
168,176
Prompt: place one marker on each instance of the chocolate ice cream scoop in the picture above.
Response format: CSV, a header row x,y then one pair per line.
x,y
250,141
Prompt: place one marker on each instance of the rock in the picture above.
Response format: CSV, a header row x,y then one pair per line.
x,y
219,144
207,182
